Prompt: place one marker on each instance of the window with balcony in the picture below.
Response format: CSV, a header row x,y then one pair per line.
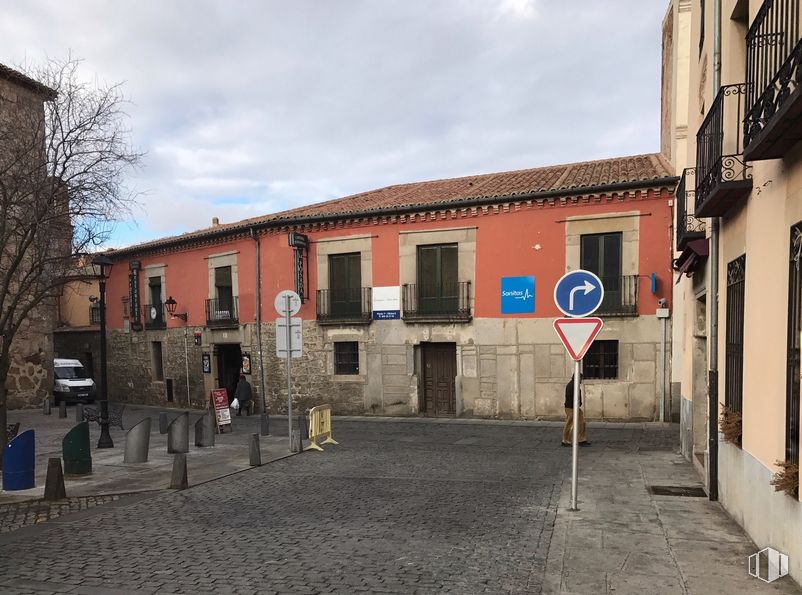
x,y
722,175
154,311
437,293
601,360
345,301
773,74
346,358
602,254
221,310
689,227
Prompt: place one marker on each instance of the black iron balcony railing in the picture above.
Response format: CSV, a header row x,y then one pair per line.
x,y
688,226
447,301
722,175
222,312
620,296
154,316
341,306
773,80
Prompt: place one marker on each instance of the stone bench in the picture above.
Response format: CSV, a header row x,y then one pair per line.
x,y
115,414
11,431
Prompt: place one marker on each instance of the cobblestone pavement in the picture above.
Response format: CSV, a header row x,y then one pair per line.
x,y
32,512
396,508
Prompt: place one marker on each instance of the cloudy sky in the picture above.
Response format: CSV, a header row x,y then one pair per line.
x,y
249,107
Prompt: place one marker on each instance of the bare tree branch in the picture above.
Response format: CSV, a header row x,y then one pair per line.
x,y
62,185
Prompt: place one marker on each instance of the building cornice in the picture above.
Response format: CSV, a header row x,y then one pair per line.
x,y
447,210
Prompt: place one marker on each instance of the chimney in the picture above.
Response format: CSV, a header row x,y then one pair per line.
x,y
215,222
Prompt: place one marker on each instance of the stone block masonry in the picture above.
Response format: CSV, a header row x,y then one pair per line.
x,y
30,377
515,372
133,371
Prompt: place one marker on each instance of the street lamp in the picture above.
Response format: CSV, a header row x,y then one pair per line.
x,y
103,264
171,306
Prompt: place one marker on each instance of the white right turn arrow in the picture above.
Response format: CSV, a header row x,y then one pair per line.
x,y
588,287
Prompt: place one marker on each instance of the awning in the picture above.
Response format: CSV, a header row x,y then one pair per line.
x,y
694,252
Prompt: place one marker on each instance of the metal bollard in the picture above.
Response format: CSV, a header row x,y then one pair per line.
x,y
295,442
204,431
178,480
137,443
265,424
54,482
62,410
163,423
178,434
303,428
46,406
255,452
76,451
79,413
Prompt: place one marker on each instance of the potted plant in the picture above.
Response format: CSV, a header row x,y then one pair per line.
x,y
787,479
731,424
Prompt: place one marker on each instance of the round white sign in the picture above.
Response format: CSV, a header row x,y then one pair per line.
x,y
153,312
281,302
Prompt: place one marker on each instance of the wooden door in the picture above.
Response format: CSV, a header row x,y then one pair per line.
x,y
439,370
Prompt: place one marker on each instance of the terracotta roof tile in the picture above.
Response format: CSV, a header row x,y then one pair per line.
x,y
26,81
571,178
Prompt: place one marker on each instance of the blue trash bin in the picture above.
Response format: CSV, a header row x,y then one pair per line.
x,y
19,463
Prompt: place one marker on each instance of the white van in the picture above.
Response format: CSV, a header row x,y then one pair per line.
x,y
71,382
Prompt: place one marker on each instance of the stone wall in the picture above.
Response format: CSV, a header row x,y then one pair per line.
x,y
510,369
506,368
313,380
30,378
131,374
75,344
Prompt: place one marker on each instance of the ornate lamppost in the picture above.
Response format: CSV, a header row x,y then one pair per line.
x,y
103,264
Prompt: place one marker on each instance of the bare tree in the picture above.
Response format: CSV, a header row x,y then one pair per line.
x,y
62,173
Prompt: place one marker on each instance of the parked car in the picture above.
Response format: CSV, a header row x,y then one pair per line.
x,y
72,382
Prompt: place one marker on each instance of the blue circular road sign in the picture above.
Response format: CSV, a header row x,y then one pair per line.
x,y
578,293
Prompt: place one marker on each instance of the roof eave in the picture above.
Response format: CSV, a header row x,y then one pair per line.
x,y
389,211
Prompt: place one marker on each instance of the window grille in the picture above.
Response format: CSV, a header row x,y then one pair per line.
x,y
346,358
601,360
733,383
792,361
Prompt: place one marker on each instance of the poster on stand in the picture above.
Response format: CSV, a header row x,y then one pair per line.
x,y
222,414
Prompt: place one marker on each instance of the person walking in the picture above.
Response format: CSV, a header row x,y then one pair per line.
x,y
244,394
569,416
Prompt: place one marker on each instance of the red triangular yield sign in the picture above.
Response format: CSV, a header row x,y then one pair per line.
x,y
577,334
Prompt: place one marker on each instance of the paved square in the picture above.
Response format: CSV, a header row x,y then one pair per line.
x,y
398,507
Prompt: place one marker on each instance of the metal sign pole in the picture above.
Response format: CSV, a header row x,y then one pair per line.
x,y
287,311
575,446
186,363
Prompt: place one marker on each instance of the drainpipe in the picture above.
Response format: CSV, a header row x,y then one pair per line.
x,y
265,419
662,369
712,408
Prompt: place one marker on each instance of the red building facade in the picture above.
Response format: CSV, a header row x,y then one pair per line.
x,y
435,252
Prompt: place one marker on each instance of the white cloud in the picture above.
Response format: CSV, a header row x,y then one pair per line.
x,y
522,9
258,106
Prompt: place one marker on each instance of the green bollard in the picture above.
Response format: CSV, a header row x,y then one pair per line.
x,y
75,448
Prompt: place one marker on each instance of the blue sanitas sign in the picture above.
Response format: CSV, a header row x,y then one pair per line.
x,y
517,295
578,293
